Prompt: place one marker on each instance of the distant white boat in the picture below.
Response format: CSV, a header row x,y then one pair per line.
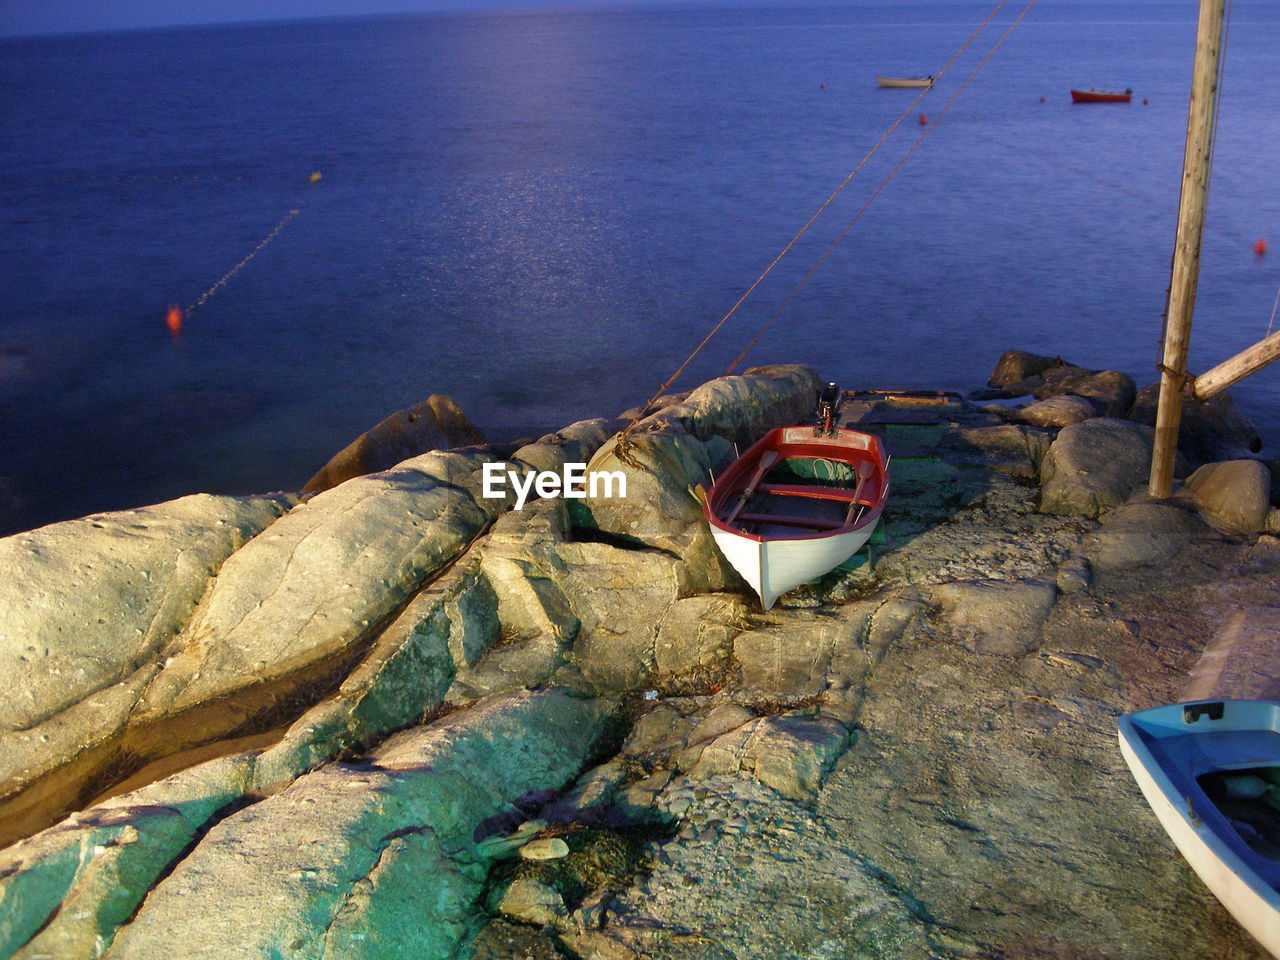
x,y
905,81
797,504
1211,773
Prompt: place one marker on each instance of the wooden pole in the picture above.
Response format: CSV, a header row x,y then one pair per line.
x,y
1245,362
1186,250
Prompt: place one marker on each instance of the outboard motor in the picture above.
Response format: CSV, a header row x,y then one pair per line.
x,y
828,408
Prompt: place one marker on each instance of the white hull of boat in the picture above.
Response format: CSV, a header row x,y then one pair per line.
x,y
772,567
1194,823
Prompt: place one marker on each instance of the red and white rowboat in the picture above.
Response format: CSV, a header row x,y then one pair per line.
x,y
797,504
1100,96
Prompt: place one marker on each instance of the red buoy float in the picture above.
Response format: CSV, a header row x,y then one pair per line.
x,y
1260,247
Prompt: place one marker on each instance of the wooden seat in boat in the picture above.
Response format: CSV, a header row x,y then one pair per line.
x,y
806,490
787,520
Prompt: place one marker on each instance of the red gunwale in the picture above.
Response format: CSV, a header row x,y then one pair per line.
x,y
733,481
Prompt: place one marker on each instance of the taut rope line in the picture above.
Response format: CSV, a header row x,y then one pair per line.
x,y
875,193
785,250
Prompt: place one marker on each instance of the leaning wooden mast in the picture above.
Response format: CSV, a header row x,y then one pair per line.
x,y
1186,251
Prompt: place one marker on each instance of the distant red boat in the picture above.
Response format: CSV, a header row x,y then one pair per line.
x,y
1100,96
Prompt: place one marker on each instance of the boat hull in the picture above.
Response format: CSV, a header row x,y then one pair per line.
x,y
780,535
898,82
1099,96
1168,755
772,567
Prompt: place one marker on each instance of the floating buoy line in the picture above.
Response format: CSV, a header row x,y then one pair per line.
x,y
176,315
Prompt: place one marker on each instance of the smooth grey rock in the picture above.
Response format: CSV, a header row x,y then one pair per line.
x,y
576,443
435,423
1143,534
86,611
993,617
1061,411
83,602
1234,497
545,848
1094,465
669,454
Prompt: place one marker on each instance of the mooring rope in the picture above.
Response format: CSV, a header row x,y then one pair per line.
x,y
644,410
875,193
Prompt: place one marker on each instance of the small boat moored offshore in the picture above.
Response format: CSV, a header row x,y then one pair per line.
x,y
905,81
1211,772
1100,96
798,503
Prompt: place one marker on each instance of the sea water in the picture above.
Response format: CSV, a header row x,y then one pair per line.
x,y
540,213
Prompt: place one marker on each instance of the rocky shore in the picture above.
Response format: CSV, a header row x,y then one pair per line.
x,y
399,718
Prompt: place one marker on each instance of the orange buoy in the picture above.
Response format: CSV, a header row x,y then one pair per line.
x,y
315,177
1260,247
173,320
1042,99
923,119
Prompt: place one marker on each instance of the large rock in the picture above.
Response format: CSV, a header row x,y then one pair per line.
x,y
436,423
84,601
323,582
741,408
1060,411
92,870
1017,366
994,617
1094,465
375,858
668,458
1142,534
1235,497
1110,391
1208,430
791,752
87,608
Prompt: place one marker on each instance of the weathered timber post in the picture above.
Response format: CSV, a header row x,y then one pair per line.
x,y
1247,361
1186,251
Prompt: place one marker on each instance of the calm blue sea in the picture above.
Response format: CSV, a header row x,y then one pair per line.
x,y
540,213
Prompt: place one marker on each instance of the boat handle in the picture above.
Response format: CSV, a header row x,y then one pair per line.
x,y
1193,712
